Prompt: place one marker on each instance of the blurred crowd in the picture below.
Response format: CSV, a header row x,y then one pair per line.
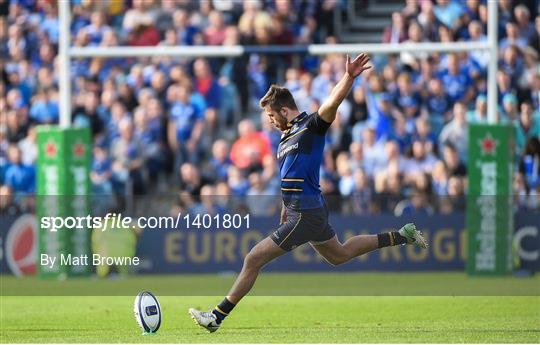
x,y
192,128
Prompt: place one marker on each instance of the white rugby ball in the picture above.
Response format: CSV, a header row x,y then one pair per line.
x,y
147,312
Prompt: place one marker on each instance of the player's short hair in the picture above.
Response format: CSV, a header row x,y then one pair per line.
x,y
278,97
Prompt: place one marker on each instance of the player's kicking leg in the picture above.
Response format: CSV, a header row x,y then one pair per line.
x,y
337,253
264,252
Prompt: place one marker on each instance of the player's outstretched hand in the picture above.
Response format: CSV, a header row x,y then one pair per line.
x,y
357,66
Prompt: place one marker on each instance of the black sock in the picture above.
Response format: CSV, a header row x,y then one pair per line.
x,y
388,239
222,310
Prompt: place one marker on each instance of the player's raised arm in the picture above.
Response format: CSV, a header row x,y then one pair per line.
x,y
352,70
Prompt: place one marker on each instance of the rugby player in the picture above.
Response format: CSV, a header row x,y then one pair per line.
x,y
304,216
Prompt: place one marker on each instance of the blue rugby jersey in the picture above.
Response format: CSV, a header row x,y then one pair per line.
x,y
300,154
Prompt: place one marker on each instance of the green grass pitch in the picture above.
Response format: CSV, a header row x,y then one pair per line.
x,y
280,319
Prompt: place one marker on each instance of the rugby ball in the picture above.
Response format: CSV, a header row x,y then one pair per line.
x,y
147,312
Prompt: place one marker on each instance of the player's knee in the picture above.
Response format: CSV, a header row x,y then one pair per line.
x,y
253,261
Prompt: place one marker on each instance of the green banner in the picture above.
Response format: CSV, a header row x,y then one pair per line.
x,y
489,199
63,190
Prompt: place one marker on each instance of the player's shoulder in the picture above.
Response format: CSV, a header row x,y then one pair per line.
x,y
315,122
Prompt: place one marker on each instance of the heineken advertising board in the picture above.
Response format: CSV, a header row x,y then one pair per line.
x,y
489,199
63,190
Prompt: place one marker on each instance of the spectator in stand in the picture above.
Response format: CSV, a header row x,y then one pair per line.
x,y
86,114
389,188
510,111
479,113
185,126
320,87
456,193
407,99
428,21
439,179
396,32
97,28
253,18
372,150
345,173
391,157
28,147
8,206
528,125
249,150
529,164
201,17
170,38
457,83
164,15
421,160
411,10
453,164
512,38
512,64
381,115
220,162
187,34
50,24
359,109
525,197
529,83
504,85
281,33
46,57
19,177
262,200
128,159
214,34
362,194
446,35
101,172
415,35
19,93
45,109
423,132
159,85
338,137
270,175
238,184
118,112
139,15
455,132
476,34
505,15
526,28
418,204
148,132
448,12
292,80
191,179
438,103
16,130
206,84
302,95
209,203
